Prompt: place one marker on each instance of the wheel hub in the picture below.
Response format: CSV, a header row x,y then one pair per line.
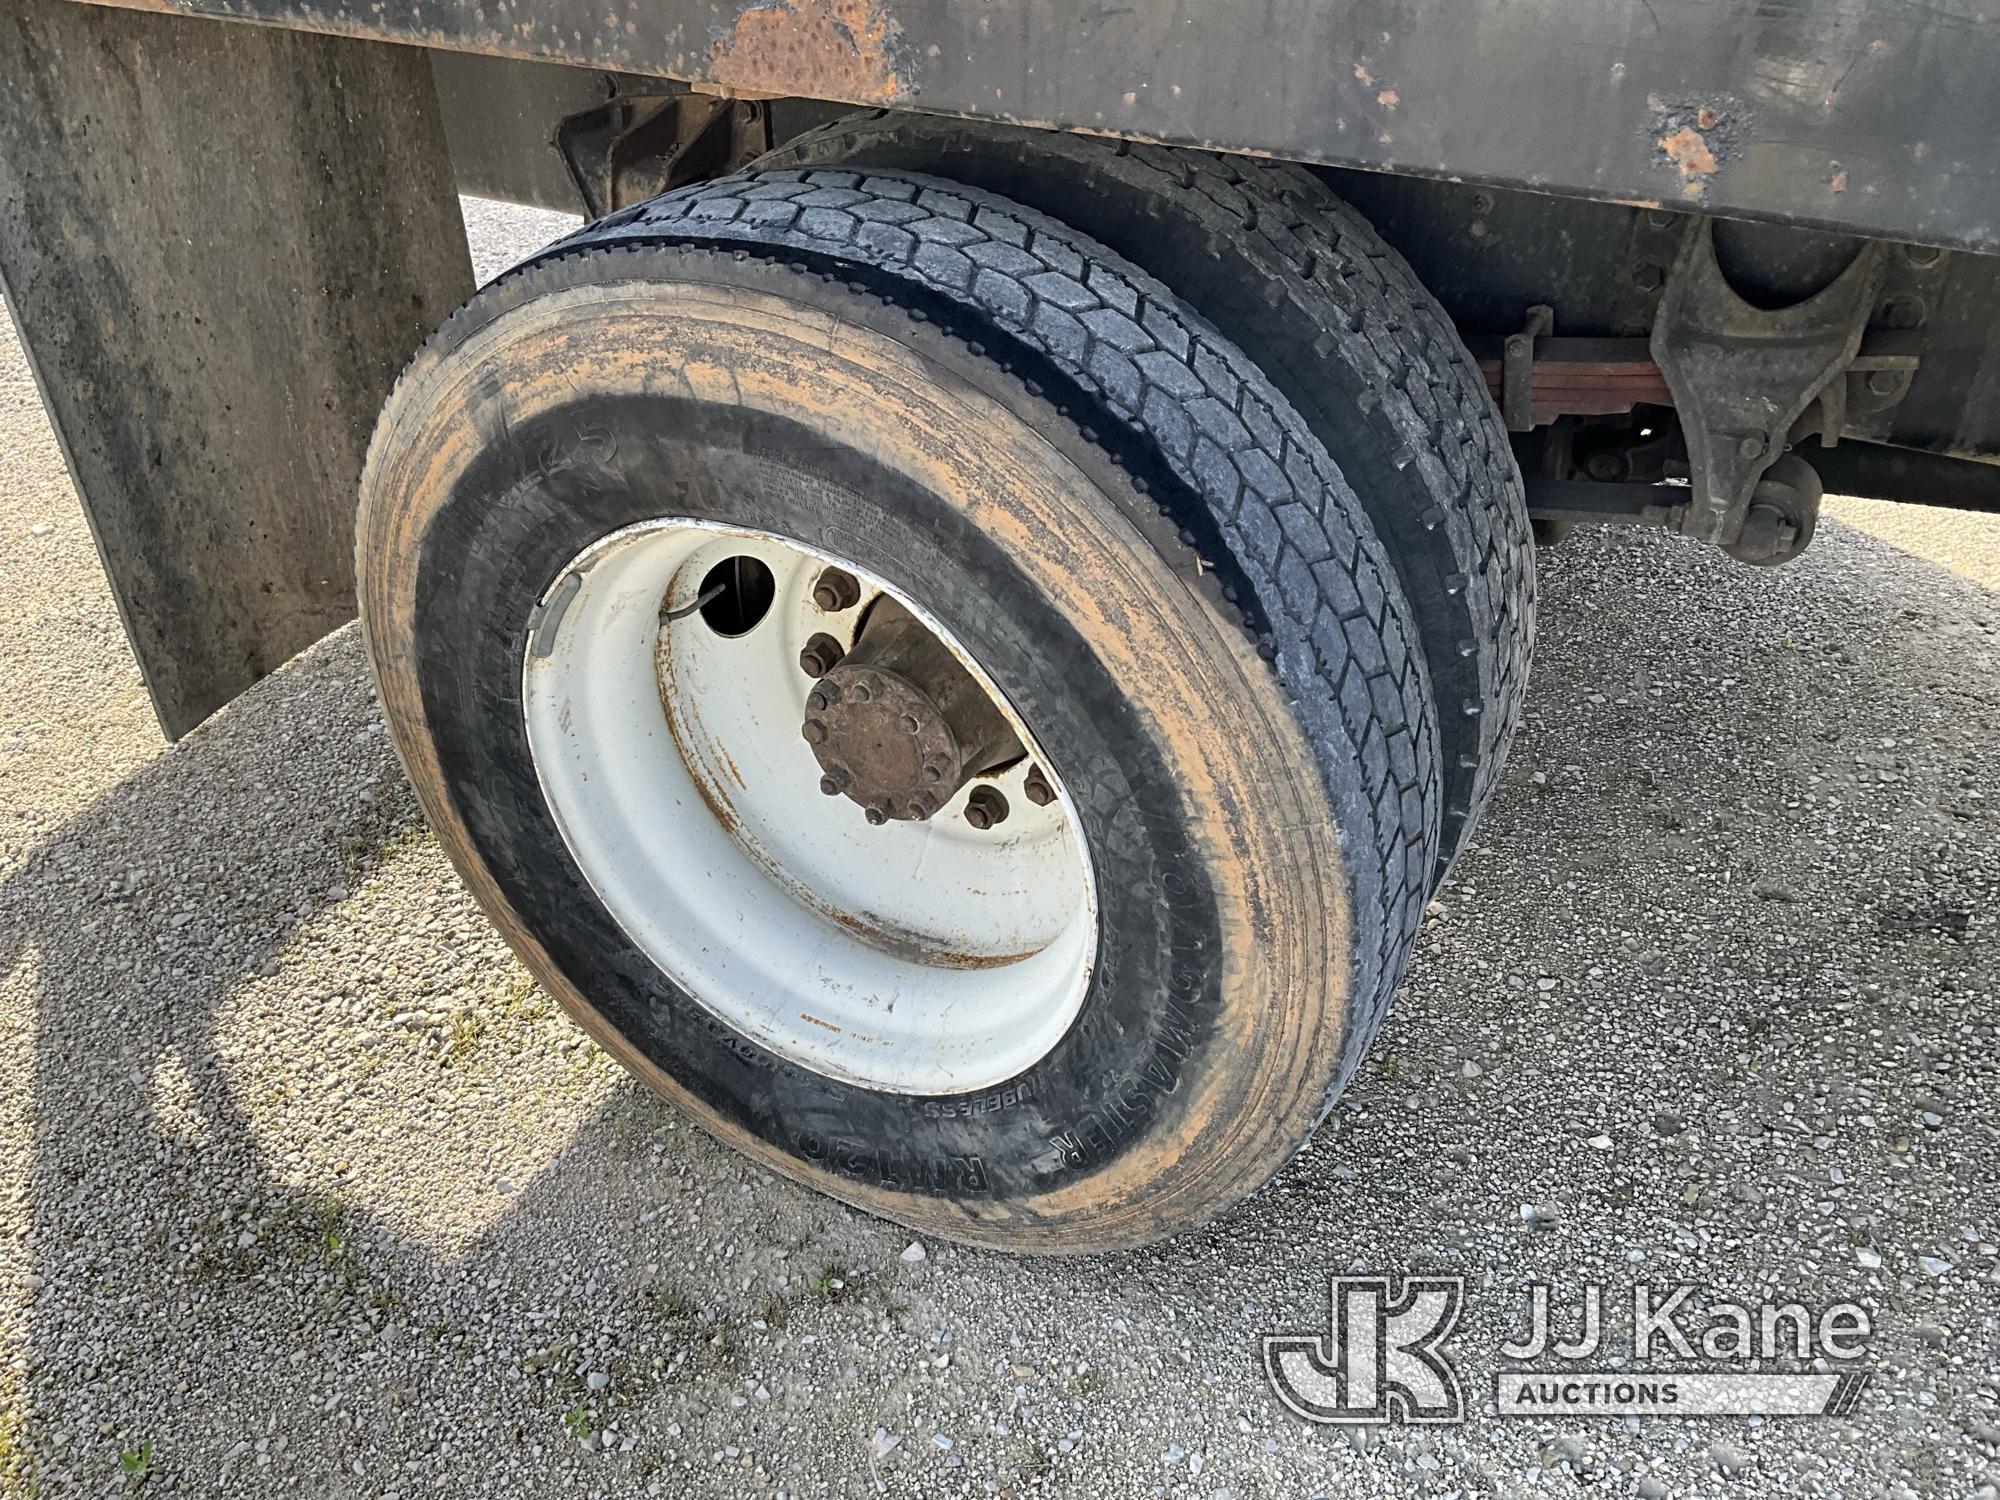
x,y
883,742
899,725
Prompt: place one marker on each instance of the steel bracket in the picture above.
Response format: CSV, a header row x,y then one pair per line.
x,y
1517,369
1742,375
635,146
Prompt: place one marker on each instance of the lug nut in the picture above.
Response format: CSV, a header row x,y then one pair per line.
x,y
836,590
821,655
814,731
878,814
1037,788
985,808
831,784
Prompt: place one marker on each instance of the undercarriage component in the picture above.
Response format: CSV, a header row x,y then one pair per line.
x,y
1567,502
1517,368
1778,526
633,147
1784,509
1743,376
1880,472
1596,377
1605,377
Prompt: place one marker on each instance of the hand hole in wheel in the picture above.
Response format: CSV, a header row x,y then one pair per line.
x,y
736,593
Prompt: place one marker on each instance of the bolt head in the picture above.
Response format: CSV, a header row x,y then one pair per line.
x,y
836,590
1750,447
821,655
985,808
878,814
829,786
814,731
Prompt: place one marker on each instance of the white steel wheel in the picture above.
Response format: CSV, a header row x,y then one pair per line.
x,y
666,682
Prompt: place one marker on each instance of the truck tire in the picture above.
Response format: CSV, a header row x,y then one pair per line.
x,y
1340,324
622,517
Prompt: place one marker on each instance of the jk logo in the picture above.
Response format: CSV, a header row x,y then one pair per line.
x,y
1381,1359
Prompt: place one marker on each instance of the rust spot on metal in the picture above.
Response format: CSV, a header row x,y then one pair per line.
x,y
1697,138
1838,182
1367,79
878,934
706,785
1611,376
816,1021
1688,150
719,806
1388,98
157,7
822,49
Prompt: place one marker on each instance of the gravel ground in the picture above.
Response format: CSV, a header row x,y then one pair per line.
x,y
305,1186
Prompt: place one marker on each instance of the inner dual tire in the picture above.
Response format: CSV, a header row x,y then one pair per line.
x,y
1265,252
1098,504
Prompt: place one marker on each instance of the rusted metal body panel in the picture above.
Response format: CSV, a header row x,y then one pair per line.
x,y
1871,116
220,244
